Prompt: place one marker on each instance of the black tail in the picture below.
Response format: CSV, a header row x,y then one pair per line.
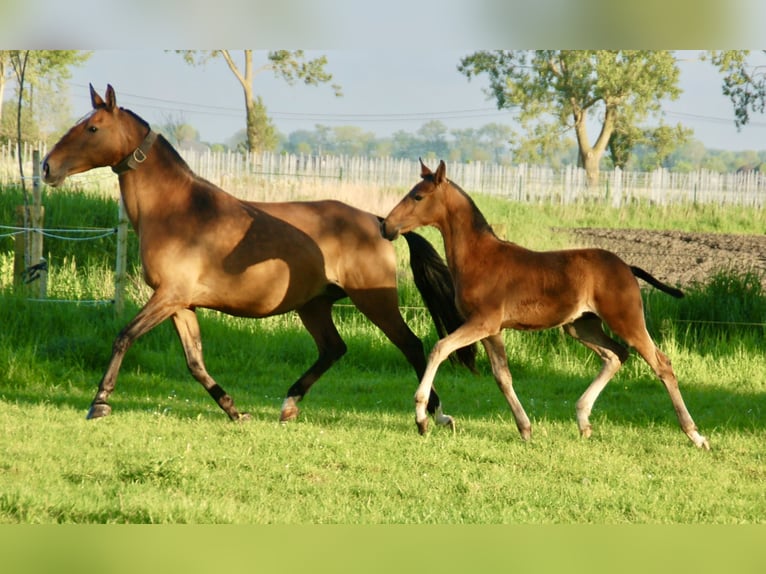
x,y
434,281
638,272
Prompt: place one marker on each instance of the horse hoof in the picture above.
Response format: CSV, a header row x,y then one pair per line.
x,y
288,415
289,410
243,417
98,410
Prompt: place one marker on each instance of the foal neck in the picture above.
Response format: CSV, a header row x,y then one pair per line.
x,y
463,227
463,213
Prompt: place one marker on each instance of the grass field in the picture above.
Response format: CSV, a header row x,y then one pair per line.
x,y
169,455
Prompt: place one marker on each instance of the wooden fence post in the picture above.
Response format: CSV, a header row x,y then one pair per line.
x,y
120,266
29,266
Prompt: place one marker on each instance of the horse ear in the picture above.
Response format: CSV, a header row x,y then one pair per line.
x,y
95,99
111,99
424,171
440,175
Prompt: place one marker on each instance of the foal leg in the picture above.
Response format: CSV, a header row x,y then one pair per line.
x,y
382,308
660,364
156,310
588,331
316,316
187,327
464,335
495,347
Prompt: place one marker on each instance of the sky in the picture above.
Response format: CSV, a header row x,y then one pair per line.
x,y
396,61
383,91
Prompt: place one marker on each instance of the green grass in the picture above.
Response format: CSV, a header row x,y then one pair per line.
x,y
169,455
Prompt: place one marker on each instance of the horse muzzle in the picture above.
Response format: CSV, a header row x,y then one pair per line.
x,y
388,232
49,176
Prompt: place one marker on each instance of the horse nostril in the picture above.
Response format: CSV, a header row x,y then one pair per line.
x,y
46,169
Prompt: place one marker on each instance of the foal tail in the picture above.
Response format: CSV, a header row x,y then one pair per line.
x,y
638,272
434,281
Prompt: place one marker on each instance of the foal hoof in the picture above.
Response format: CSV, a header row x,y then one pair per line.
x,y
98,410
701,442
243,418
446,421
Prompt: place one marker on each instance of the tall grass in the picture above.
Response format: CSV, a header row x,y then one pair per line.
x,y
169,455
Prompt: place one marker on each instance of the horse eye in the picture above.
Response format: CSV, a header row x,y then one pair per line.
x,y
92,129
417,197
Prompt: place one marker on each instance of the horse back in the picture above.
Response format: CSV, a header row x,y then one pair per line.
x,y
355,252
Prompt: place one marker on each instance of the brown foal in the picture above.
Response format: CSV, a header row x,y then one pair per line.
x,y
500,285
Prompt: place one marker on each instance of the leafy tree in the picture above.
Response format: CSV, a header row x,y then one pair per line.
x,y
434,139
352,140
495,137
624,140
41,71
291,66
662,141
177,130
558,90
744,83
405,145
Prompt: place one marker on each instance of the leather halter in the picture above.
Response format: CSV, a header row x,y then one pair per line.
x,y
137,156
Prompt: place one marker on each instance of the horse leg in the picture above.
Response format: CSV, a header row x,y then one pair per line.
x,y
498,359
156,310
588,331
661,366
187,327
382,308
466,334
316,316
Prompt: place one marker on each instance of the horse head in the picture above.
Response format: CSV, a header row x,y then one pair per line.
x,y
102,138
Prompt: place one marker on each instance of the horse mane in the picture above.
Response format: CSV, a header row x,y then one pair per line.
x,y
479,222
169,148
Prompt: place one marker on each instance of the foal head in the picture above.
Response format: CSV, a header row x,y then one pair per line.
x,y
102,138
423,205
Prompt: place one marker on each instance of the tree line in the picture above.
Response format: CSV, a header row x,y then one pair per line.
x,y
555,95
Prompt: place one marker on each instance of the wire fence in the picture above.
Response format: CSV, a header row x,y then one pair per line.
x,y
245,173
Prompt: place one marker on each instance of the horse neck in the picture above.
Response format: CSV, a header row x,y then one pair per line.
x,y
161,180
463,229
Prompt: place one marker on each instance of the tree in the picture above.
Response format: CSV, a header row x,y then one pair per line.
x,y
44,70
558,90
434,139
290,66
662,141
743,83
496,137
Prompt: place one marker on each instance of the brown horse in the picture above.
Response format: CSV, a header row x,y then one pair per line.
x,y
501,285
201,247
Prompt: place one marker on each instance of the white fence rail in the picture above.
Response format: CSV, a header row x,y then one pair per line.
x,y
244,174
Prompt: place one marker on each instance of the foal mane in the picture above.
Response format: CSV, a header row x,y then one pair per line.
x,y
478,220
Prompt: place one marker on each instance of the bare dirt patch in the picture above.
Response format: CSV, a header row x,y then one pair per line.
x,y
679,257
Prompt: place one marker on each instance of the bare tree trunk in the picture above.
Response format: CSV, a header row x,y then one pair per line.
x,y
246,80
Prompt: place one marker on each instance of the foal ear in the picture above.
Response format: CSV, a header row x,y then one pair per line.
x,y
95,99
424,171
111,99
441,172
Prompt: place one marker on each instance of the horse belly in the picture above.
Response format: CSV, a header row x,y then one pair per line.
x,y
268,288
